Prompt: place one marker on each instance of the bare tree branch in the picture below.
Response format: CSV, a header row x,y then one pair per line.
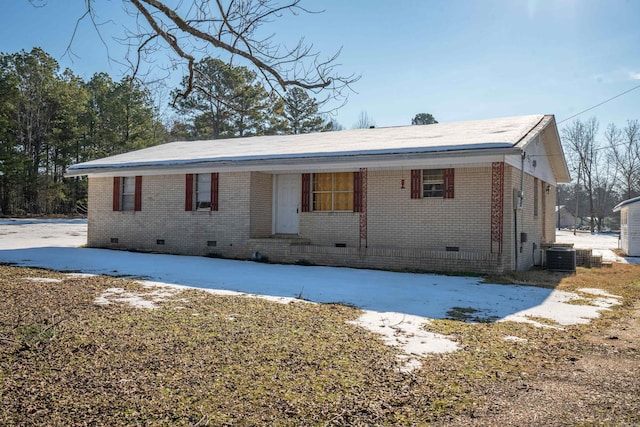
x,y
230,27
171,40
89,13
194,29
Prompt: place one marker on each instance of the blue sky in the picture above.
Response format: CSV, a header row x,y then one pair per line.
x,y
455,59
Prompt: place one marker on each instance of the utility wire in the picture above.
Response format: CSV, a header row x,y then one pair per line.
x,y
597,105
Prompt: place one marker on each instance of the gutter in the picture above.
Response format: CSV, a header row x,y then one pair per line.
x,y
291,163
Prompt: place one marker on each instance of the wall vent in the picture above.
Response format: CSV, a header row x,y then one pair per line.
x,y
341,245
160,242
453,249
114,240
212,243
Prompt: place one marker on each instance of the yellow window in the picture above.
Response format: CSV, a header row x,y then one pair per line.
x,y
333,191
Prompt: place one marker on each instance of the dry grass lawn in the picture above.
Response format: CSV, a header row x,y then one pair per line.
x,y
202,359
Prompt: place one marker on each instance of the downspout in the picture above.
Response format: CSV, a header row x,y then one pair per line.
x,y
515,233
518,205
522,179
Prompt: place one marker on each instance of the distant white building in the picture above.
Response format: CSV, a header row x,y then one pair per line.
x,y
564,218
630,226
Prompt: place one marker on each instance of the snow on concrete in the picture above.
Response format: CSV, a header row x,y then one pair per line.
x,y
396,305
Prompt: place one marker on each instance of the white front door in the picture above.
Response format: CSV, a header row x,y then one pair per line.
x,y
287,204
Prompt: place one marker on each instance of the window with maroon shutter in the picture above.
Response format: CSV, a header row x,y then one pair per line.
x,y
448,183
201,191
306,192
188,192
357,192
137,204
215,179
332,192
416,183
116,193
432,183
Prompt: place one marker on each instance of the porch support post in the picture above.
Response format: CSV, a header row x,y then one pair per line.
x,y
363,211
497,206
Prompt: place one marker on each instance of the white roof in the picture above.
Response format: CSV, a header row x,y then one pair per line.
x,y
626,203
455,137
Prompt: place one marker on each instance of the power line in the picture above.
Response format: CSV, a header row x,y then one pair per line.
x,y
597,105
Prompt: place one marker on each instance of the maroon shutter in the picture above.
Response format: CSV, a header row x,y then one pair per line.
x,y
188,192
137,196
215,178
306,192
448,183
416,185
116,193
357,192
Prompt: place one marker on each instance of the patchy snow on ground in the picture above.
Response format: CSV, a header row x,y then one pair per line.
x,y
406,332
559,309
396,305
42,279
148,299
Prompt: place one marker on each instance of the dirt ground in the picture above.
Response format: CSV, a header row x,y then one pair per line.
x,y
66,358
597,387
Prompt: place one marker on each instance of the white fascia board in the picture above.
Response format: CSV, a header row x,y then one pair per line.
x,y
296,165
545,133
626,203
137,159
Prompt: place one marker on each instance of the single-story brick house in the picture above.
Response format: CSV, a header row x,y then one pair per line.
x,y
473,196
629,226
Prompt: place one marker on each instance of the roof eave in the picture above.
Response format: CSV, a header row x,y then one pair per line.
x,y
311,163
625,203
564,176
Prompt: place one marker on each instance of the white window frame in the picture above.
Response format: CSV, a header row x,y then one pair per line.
x,y
431,177
128,198
202,192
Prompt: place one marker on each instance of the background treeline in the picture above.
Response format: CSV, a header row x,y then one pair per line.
x,y
50,119
605,170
